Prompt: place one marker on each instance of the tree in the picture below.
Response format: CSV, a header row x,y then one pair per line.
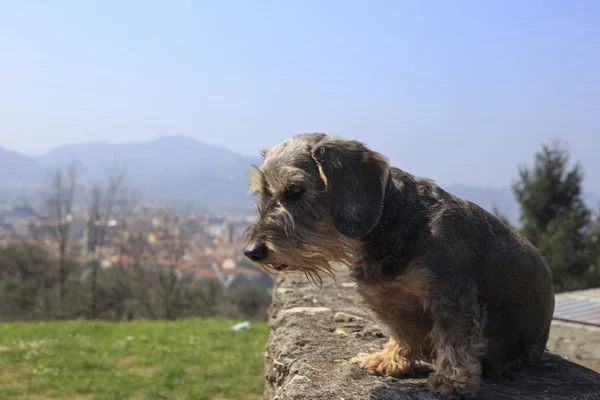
x,y
501,216
251,300
28,282
593,248
56,213
554,216
168,253
132,264
105,199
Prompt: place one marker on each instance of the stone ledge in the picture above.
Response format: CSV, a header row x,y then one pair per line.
x,y
313,334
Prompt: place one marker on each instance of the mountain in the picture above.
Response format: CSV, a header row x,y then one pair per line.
x,y
184,170
163,159
19,170
175,168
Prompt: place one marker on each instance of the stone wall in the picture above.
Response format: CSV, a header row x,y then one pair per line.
x,y
576,342
313,334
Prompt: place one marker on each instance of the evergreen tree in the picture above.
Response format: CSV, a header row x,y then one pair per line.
x,y
593,248
554,216
501,216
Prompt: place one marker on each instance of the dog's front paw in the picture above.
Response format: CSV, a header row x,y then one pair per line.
x,y
454,384
384,364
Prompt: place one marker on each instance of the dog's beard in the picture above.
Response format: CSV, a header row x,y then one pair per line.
x,y
313,257
309,248
314,268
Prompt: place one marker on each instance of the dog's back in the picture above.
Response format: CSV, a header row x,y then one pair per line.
x,y
516,289
513,280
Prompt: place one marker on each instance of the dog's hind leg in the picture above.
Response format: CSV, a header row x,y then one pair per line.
x,y
458,343
532,355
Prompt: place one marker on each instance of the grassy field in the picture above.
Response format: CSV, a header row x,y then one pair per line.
x,y
187,359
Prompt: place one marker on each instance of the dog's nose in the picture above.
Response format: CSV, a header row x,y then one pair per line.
x,y
256,251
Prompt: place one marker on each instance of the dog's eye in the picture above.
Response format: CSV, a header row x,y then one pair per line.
x,y
292,192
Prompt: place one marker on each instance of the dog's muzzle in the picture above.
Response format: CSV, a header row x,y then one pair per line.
x,y
257,251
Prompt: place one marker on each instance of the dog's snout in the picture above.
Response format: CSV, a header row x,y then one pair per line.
x,y
256,251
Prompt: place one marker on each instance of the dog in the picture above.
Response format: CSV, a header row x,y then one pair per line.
x,y
455,287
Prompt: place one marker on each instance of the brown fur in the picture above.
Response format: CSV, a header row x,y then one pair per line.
x,y
454,286
402,305
396,359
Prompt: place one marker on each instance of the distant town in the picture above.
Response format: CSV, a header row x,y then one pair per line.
x,y
213,241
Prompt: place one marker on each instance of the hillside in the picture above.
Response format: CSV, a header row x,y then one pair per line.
x,y
172,168
19,170
185,170
193,358
157,160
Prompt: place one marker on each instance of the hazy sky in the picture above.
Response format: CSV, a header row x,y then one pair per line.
x,y
461,91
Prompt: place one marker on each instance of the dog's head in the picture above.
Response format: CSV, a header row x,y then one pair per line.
x,y
317,196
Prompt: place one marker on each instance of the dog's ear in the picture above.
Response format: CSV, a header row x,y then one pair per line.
x,y
355,178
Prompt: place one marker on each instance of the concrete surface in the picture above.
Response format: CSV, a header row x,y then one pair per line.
x,y
589,293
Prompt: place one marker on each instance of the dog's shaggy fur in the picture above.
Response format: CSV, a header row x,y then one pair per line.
x,y
455,286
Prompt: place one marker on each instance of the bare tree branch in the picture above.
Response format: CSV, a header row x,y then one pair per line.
x,y
56,212
104,200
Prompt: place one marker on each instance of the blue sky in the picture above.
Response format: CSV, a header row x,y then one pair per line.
x,y
461,91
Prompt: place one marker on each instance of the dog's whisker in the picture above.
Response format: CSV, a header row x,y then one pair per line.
x,y
315,279
309,277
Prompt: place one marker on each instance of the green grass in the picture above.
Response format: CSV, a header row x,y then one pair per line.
x,y
187,359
